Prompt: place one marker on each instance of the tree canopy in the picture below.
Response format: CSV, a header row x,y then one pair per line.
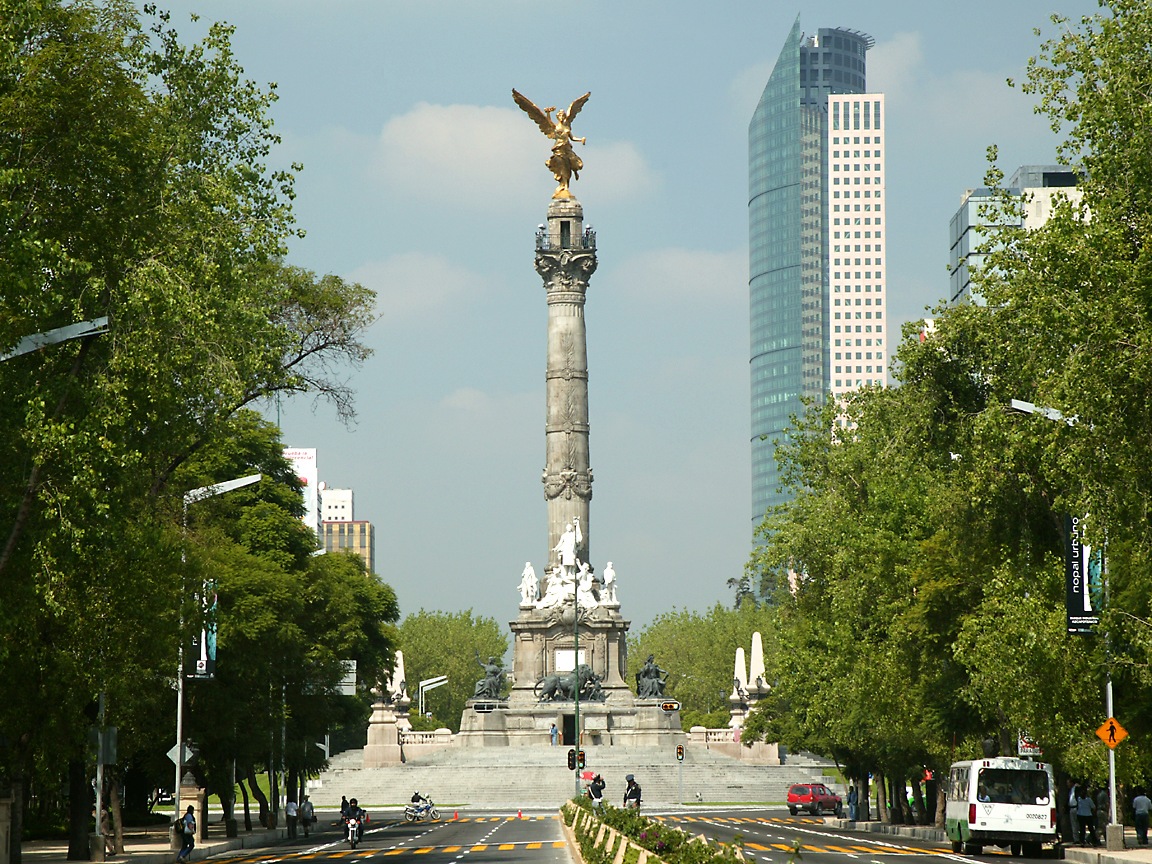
x,y
916,579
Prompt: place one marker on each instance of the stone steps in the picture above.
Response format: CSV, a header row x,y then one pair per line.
x,y
533,777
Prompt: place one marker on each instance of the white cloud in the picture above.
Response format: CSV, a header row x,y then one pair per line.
x,y
489,157
896,63
745,89
687,275
414,285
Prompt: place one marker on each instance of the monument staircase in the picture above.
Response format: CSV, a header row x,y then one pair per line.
x,y
532,777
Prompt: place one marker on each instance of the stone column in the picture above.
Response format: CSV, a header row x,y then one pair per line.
x,y
565,260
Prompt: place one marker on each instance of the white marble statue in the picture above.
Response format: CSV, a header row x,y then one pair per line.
x,y
565,549
608,592
584,593
529,585
558,589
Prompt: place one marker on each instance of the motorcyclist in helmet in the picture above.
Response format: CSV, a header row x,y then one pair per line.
x,y
355,811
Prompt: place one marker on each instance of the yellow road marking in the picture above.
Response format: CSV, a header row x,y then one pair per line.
x,y
758,847
480,848
504,847
534,846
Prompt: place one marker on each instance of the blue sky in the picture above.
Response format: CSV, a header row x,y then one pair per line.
x,y
423,181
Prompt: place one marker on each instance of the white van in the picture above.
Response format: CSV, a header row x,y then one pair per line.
x,y
1001,802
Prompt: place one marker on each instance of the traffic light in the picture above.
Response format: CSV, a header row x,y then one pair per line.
x,y
571,760
580,760
679,752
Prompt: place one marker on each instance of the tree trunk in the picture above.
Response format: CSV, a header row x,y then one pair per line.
x,y
247,811
117,815
79,811
17,828
291,782
864,793
882,800
920,809
941,803
261,799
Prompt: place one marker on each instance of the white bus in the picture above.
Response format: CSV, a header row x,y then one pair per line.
x,y
1003,802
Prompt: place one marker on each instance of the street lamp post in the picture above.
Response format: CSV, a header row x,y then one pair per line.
x,y
1058,416
576,677
191,497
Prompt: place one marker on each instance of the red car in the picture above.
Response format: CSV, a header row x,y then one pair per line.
x,y
816,798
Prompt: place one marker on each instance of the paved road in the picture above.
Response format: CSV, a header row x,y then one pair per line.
x,y
772,835
475,839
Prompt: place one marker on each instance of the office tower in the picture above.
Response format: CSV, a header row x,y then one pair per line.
x,y
352,535
1038,183
336,505
816,215
340,529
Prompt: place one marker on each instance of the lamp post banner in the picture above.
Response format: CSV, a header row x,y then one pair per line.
x,y
1083,577
203,645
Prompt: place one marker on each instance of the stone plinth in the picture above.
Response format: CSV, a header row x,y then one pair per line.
x,y
383,748
543,639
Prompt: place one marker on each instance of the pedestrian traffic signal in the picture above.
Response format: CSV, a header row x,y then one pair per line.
x,y
679,752
580,760
571,760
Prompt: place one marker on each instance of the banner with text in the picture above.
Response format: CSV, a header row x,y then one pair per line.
x,y
1083,577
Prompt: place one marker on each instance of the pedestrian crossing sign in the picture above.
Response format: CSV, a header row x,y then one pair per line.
x,y
1111,732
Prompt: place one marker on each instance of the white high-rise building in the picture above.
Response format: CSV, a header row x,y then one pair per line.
x,y
856,216
816,244
336,505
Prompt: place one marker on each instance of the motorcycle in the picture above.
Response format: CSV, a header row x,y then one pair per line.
x,y
354,830
420,812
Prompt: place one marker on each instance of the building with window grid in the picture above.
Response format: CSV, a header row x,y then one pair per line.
x,y
816,214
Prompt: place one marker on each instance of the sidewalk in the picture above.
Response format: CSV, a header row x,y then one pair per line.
x,y
152,845
1130,854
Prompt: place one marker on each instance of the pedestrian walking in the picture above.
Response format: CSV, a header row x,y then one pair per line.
x,y
187,827
631,793
307,815
555,735
1086,817
1141,805
292,813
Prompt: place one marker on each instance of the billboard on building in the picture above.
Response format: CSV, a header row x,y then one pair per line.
x,y
304,460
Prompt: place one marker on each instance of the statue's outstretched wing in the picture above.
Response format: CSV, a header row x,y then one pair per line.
x,y
532,111
575,107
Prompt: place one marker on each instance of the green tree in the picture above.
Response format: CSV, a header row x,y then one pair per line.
x,y
134,186
699,651
448,643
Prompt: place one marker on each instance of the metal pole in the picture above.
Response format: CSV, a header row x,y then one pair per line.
x,y
100,771
190,497
576,675
1108,696
179,760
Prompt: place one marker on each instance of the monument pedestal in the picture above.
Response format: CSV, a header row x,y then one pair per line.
x,y
545,644
383,748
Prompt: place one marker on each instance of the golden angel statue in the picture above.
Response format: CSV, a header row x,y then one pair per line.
x,y
564,164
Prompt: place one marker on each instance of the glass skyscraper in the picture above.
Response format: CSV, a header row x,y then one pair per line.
x,y
815,200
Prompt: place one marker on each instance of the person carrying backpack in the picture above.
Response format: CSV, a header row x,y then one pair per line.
x,y
187,827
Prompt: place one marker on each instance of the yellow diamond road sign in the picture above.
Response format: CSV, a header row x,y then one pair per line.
x,y
1111,732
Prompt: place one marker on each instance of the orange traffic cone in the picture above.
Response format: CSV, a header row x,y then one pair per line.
x,y
519,814
455,815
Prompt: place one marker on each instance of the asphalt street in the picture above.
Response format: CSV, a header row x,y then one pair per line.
x,y
477,838
771,835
